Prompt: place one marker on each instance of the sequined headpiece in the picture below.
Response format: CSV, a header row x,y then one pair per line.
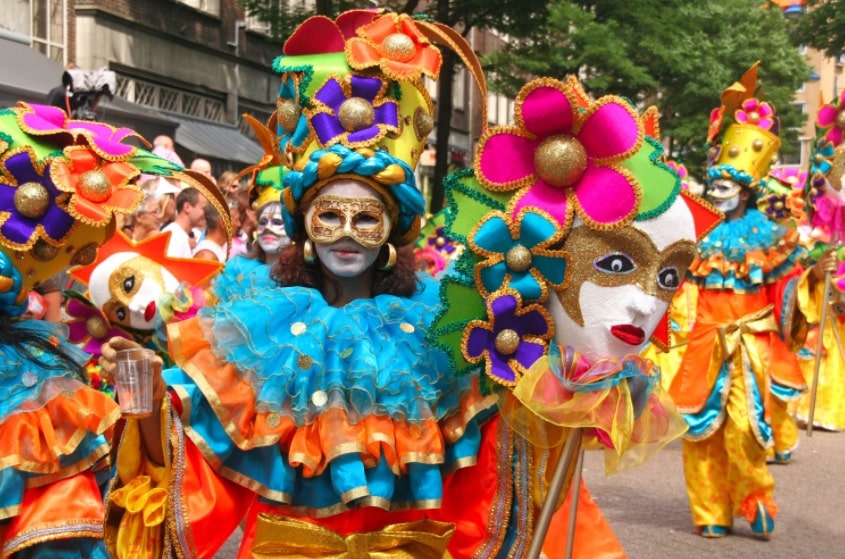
x,y
62,184
352,103
743,135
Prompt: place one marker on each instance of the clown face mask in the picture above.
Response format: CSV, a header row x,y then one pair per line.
x,y
348,224
127,286
621,285
724,194
270,230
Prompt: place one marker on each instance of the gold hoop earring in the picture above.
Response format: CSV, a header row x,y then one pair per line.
x,y
391,258
308,252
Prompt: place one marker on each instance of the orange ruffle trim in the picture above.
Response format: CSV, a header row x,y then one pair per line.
x,y
35,441
766,260
330,434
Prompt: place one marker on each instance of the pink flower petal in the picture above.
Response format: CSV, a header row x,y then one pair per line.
x,y
610,131
826,116
835,135
546,111
545,197
766,123
741,116
605,195
507,158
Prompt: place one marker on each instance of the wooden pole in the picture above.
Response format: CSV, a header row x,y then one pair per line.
x,y
819,348
575,489
555,489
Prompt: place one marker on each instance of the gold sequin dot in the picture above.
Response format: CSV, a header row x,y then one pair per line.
x,y
346,353
29,379
32,200
356,114
399,47
304,362
273,420
560,160
840,120
298,328
43,251
407,327
288,115
95,186
518,258
507,341
423,123
85,255
319,398
96,327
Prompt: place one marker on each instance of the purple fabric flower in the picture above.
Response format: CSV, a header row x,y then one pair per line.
x,y
105,140
346,118
22,224
512,339
90,325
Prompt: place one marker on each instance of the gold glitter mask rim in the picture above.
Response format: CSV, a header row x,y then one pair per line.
x,y
364,220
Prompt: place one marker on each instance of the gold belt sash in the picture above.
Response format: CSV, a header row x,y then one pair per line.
x,y
731,334
278,537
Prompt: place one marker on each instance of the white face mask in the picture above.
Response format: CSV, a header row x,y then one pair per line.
x,y
344,257
270,230
724,194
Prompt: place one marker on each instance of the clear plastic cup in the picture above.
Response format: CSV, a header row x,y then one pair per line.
x,y
133,382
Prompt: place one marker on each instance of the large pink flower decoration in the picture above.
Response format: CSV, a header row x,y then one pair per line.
x,y
831,117
756,112
792,177
563,159
105,140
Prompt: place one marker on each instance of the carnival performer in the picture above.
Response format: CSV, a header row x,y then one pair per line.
x,y
317,410
738,373
823,229
252,271
62,184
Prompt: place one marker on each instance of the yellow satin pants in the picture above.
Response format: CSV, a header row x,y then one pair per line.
x,y
726,473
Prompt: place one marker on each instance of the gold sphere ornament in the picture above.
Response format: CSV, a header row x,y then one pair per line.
x,y
560,160
757,145
96,327
733,152
423,123
440,242
518,258
818,158
32,200
95,186
356,114
399,47
753,117
840,120
507,342
778,205
288,114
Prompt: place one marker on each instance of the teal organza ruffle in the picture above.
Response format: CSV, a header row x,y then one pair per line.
x,y
369,357
241,277
735,240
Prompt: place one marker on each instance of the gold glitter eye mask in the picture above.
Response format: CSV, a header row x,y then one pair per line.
x,y
336,217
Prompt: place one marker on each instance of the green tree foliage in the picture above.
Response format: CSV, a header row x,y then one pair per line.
x,y
822,26
675,54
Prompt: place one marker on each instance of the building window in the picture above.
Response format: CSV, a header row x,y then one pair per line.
x,y
43,21
207,6
459,95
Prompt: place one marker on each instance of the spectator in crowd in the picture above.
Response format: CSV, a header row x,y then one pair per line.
x,y
227,182
213,245
190,206
203,167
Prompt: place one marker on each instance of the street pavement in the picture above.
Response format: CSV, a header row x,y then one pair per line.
x,y
648,510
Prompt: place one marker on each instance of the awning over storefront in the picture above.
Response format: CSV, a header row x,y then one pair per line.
x,y
216,141
29,76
